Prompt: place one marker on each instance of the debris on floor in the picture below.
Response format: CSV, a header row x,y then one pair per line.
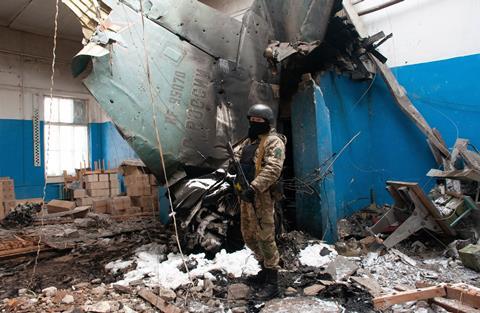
x,y
103,263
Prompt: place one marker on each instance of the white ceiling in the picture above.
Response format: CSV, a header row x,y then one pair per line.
x,y
37,16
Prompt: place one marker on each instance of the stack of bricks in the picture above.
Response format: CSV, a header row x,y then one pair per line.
x,y
143,190
97,190
7,196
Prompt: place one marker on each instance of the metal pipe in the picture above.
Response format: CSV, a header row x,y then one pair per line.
x,y
379,7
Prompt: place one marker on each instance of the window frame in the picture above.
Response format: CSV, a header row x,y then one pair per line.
x,y
85,100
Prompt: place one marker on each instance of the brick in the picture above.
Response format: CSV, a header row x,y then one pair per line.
x,y
7,190
133,210
84,201
90,178
147,191
470,256
131,180
2,211
9,205
113,177
152,180
154,190
6,182
114,191
100,205
98,192
146,203
118,212
115,204
135,191
97,185
127,202
55,206
79,193
131,170
103,177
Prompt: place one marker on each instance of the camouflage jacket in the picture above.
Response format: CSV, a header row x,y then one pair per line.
x,y
270,166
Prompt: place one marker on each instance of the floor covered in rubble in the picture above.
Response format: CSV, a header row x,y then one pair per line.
x,y
100,263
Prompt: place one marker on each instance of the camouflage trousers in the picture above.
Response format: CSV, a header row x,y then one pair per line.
x,y
258,229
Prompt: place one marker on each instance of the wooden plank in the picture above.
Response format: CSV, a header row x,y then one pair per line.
x,y
354,18
80,211
22,251
464,293
386,301
465,174
395,88
432,209
453,305
407,107
158,302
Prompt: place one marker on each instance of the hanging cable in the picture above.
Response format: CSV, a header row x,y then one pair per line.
x,y
159,144
47,148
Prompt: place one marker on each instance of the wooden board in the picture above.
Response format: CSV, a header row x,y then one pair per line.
x,y
464,293
453,305
386,301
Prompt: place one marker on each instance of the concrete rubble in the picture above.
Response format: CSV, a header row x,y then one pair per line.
x,y
135,266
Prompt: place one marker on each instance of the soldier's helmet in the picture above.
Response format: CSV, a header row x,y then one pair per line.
x,y
261,110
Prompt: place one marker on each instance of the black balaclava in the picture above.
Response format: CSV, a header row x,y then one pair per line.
x,y
256,129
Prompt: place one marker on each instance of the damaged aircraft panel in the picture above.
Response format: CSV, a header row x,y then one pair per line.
x,y
200,68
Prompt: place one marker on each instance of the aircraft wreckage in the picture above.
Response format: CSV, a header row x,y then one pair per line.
x,y
187,73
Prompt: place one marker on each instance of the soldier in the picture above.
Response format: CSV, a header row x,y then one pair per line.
x,y
261,156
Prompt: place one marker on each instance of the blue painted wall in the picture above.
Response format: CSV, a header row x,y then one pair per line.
x,y
390,147
16,156
114,148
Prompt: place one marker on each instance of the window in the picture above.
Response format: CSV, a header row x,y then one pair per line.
x,y
66,135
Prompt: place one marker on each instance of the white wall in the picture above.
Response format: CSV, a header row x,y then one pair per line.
x,y
425,30
25,70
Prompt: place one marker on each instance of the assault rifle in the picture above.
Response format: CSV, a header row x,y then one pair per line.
x,y
241,183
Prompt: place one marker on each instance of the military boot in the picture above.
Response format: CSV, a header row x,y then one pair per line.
x,y
270,290
259,278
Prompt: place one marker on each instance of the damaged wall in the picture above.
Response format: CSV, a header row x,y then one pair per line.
x,y
441,82
25,69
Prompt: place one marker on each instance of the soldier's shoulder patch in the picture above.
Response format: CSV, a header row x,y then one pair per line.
x,y
277,153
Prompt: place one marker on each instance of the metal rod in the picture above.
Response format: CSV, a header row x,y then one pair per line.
x,y
379,7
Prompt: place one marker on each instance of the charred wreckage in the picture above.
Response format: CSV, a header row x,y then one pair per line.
x,y
193,72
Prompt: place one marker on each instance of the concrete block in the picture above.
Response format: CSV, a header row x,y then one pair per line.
x,y
89,178
79,193
470,256
55,206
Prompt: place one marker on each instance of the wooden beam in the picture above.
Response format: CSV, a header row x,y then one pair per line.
x,y
386,301
464,293
407,107
396,89
453,305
